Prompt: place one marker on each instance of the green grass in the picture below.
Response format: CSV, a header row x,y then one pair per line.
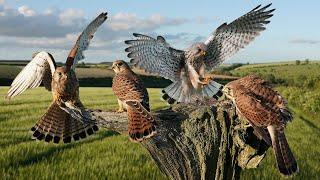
x,y
112,156
283,71
102,155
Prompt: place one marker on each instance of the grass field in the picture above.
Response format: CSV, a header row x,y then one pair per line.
x,y
112,156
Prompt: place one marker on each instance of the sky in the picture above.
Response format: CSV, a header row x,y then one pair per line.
x,y
28,26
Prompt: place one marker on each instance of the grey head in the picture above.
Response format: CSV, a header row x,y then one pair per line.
x,y
196,51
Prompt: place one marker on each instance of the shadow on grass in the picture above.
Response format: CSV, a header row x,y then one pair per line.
x,y
310,124
29,102
54,150
15,142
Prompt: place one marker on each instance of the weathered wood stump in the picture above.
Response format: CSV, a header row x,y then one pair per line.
x,y
198,142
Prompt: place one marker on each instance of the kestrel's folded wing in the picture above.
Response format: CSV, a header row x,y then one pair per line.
x,y
39,69
259,114
262,89
228,39
83,41
155,56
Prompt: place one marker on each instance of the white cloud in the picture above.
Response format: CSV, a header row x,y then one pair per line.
x,y
26,11
304,41
71,17
56,30
128,21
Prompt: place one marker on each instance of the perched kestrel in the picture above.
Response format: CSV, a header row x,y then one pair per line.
x,y
64,118
133,96
186,69
266,111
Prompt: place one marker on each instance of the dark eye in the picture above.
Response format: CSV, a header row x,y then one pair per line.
x,y
60,74
120,64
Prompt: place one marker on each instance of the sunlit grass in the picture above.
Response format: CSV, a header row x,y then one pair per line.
x,y
112,156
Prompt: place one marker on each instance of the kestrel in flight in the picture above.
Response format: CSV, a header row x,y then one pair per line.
x,y
66,116
133,96
186,69
266,111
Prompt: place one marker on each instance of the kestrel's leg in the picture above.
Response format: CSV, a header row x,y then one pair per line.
x,y
205,81
121,109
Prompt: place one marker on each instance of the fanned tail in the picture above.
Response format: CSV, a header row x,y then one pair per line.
x,y
213,89
141,124
286,162
177,92
56,124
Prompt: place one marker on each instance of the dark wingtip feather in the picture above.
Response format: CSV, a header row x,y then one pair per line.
x,y
171,101
48,138
256,8
56,139
83,134
95,128
268,5
89,131
130,55
67,139
76,137
127,49
127,41
160,38
136,34
132,61
41,137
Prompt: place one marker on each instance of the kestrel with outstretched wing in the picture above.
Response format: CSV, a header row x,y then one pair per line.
x,y
66,117
267,112
133,96
186,69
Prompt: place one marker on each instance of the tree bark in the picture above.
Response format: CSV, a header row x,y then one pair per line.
x,y
197,142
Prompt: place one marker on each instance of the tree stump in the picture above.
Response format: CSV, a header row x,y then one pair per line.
x,y
198,142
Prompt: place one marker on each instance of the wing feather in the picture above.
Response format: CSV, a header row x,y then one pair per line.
x,y
83,41
39,69
230,38
155,56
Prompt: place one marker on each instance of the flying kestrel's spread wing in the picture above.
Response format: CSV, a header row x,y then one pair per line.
x,y
83,41
228,39
155,56
39,69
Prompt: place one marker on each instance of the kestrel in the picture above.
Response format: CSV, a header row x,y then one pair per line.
x,y
186,69
133,96
267,112
64,118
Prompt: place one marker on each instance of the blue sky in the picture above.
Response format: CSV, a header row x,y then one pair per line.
x,y
53,25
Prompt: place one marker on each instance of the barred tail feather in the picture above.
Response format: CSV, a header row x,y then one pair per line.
x,y
141,124
286,162
176,92
56,124
213,89
172,93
